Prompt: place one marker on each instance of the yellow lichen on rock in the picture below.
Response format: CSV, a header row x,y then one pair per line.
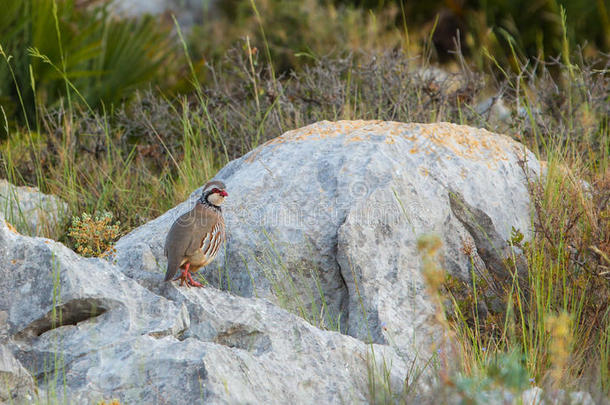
x,y
463,141
11,227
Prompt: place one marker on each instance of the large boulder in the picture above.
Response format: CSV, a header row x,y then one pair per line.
x,y
88,333
237,350
324,220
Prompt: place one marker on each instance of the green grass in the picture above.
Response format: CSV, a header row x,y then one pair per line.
x,y
557,328
104,57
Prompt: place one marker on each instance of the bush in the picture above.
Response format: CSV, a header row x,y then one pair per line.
x,y
49,46
94,236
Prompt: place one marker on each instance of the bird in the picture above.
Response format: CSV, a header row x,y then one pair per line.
x,y
196,236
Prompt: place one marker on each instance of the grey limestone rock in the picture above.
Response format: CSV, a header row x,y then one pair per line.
x,y
31,211
327,218
322,222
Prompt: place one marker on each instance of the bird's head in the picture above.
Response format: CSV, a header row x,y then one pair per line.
x,y
214,193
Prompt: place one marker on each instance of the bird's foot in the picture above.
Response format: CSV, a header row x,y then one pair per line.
x,y
192,282
183,279
186,279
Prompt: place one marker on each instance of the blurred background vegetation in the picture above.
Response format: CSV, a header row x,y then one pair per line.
x,y
84,90
106,57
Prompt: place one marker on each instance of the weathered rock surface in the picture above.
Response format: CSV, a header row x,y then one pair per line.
x,y
537,396
531,396
88,333
32,212
327,218
323,221
15,381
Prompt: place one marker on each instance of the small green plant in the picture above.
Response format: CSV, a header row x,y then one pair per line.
x,y
94,236
498,372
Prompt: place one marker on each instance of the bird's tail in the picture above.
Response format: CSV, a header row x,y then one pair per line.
x,y
171,271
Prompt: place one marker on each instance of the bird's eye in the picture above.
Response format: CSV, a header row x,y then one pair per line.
x,y
215,190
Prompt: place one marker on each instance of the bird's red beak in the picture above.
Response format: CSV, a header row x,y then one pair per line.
x,y
223,193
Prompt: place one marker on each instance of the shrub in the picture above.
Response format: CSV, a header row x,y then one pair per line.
x,y
94,236
46,43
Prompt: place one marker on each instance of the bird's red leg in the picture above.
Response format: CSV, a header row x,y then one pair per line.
x,y
184,276
193,282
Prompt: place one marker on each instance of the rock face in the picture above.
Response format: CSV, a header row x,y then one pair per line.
x,y
88,333
31,211
15,381
322,221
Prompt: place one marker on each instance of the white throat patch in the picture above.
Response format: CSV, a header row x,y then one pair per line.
x,y
216,199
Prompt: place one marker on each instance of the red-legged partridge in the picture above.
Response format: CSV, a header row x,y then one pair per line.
x,y
195,238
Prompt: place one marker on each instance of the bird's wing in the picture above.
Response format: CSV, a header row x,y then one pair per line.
x,y
186,236
178,241
205,219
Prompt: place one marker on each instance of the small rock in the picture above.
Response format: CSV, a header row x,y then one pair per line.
x,y
494,110
187,12
532,396
32,212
